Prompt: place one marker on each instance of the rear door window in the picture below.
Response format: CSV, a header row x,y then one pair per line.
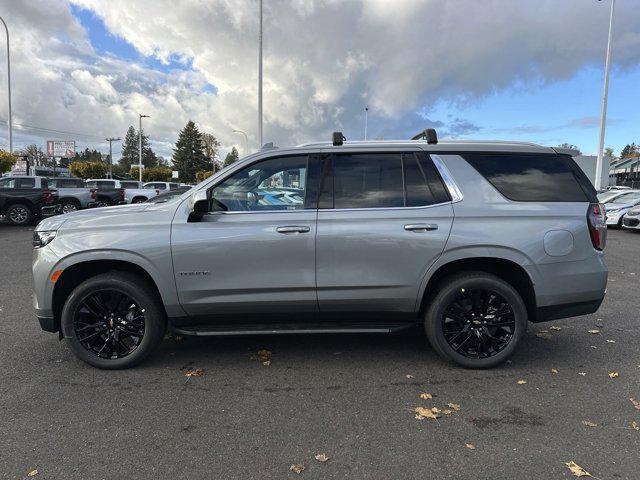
x,y
129,184
105,184
26,182
534,178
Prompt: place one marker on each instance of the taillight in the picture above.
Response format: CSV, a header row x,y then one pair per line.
x,y
48,197
94,194
597,223
121,194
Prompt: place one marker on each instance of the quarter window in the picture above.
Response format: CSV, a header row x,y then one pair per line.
x,y
273,184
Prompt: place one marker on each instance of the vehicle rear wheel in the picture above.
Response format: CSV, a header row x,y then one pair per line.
x,y
20,214
113,320
139,200
102,203
69,205
476,320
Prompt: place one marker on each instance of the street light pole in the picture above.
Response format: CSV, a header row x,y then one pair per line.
x,y
260,81
246,141
9,123
140,146
603,119
366,121
110,140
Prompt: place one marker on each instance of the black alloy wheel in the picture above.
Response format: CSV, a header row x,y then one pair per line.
x,y
109,324
478,323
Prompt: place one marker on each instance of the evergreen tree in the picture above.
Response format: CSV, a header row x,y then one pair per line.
x,y
231,157
188,156
630,150
130,151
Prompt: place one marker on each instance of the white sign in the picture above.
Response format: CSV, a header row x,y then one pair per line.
x,y
175,174
20,167
61,148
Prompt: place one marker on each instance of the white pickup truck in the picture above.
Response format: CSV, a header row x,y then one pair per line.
x,y
133,191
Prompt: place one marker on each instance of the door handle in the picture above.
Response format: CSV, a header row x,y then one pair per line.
x,y
293,229
421,227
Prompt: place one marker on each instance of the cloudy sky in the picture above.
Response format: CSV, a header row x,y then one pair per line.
x,y
491,69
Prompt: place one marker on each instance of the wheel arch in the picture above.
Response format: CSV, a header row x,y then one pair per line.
x,y
507,269
139,197
74,275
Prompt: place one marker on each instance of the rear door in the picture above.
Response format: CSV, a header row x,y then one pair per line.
x,y
384,218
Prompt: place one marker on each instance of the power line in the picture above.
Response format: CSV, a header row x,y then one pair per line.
x,y
52,130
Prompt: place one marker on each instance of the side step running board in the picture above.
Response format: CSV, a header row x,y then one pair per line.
x,y
234,330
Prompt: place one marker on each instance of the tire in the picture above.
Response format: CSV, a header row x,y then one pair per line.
x,y
70,205
20,214
139,200
113,331
102,203
447,335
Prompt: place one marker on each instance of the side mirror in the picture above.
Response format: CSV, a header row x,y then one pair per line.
x,y
199,205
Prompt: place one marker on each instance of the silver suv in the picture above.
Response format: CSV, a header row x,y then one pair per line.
x,y
470,241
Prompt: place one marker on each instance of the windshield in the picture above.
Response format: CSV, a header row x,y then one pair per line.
x,y
632,197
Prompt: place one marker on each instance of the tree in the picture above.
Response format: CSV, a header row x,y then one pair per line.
x,y
153,174
630,150
35,155
88,156
211,146
231,157
7,160
88,169
608,153
188,156
131,151
202,175
571,147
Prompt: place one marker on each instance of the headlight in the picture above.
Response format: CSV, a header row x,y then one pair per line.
x,y
40,239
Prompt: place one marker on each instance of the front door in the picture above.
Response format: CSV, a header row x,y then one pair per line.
x,y
384,218
255,251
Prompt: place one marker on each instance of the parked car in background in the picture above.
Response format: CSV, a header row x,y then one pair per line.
x,y
468,240
631,220
134,192
72,192
619,206
169,195
610,195
105,192
161,186
25,199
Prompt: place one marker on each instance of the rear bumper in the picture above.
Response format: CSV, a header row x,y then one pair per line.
x,y
566,310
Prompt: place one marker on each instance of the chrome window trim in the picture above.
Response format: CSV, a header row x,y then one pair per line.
x,y
454,191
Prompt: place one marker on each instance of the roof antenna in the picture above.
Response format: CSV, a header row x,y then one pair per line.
x,y
338,138
429,135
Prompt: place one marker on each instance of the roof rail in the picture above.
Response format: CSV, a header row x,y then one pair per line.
x,y
429,135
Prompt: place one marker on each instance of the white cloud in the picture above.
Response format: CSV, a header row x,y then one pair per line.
x,y
324,60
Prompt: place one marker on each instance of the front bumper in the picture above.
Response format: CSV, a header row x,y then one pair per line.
x,y
632,223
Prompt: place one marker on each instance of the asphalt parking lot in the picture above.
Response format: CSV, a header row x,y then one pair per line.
x,y
349,397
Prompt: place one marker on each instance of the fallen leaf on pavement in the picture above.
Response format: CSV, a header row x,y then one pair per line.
x,y
409,376
613,374
611,341
423,412
447,411
32,473
635,425
555,328
321,457
266,363
554,371
594,331
262,355
198,372
453,406
636,403
577,470
588,423
426,396
470,446
521,382
543,335
584,374
296,468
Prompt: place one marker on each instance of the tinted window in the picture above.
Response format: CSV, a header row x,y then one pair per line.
x,y
173,185
105,184
534,178
91,184
26,182
368,180
44,183
8,183
129,184
274,184
422,182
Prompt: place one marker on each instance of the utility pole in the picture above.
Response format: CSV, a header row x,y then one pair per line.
x,y
366,121
111,140
603,119
9,123
260,81
140,145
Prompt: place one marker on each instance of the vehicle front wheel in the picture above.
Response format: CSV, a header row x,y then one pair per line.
x,y
476,320
70,206
113,320
20,214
